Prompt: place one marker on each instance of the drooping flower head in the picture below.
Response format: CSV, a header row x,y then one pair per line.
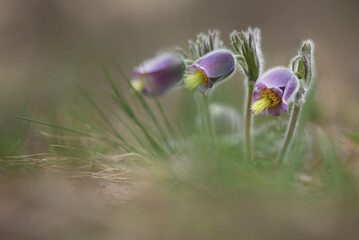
x,y
157,75
209,69
273,91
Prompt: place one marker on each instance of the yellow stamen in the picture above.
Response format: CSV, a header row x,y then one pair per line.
x,y
268,99
193,80
138,85
273,96
261,104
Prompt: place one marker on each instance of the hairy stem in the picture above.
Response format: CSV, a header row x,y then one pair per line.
x,y
290,132
248,141
209,119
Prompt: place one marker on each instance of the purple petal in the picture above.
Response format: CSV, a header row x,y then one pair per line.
x,y
290,88
264,112
159,63
284,107
159,82
191,69
160,73
277,77
219,64
275,111
198,61
205,87
257,93
278,91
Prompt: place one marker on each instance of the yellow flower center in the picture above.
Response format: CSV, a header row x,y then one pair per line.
x,y
138,85
269,98
191,81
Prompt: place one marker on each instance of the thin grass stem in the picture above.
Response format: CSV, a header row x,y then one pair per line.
x,y
145,106
123,143
130,113
144,103
170,129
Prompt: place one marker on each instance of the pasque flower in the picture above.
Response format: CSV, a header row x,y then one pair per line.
x,y
157,75
210,69
273,91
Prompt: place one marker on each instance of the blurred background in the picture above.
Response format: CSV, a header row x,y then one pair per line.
x,y
47,45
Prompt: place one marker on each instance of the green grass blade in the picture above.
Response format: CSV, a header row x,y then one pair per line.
x,y
145,105
128,110
18,125
131,130
104,117
50,125
170,129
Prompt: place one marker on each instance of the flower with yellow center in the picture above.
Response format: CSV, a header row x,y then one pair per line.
x,y
210,69
157,75
273,91
193,80
268,99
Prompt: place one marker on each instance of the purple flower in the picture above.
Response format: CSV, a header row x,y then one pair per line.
x,y
157,75
273,91
209,69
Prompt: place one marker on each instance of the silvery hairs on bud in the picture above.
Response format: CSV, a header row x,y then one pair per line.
x,y
247,45
205,43
303,67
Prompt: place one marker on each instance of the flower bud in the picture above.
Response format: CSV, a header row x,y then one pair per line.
x,y
273,91
205,43
307,48
247,46
157,75
210,69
